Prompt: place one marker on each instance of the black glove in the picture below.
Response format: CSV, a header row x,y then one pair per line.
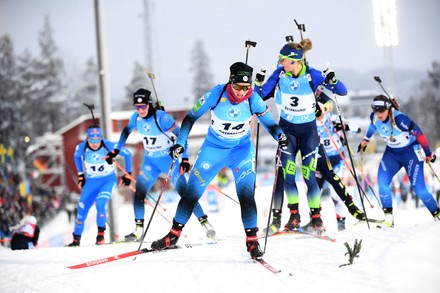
x,y
175,151
338,126
259,79
184,166
282,140
111,155
329,75
431,158
126,179
358,130
318,111
81,180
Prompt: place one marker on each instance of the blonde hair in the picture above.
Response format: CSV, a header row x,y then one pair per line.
x,y
305,45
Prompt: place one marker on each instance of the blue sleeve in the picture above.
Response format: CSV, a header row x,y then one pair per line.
x,y
167,123
406,124
78,156
371,128
268,89
205,103
318,78
127,130
264,115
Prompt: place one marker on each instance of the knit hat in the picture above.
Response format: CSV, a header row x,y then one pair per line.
x,y
142,96
291,53
240,72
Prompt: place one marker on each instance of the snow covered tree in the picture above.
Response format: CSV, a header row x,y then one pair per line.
x,y
9,106
427,101
87,90
138,80
48,91
200,68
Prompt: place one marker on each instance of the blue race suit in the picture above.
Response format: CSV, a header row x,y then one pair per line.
x,y
330,163
227,144
100,182
296,103
405,141
158,132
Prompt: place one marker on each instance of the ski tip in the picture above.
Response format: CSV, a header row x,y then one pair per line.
x,y
73,267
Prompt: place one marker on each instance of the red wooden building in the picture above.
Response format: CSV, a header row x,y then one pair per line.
x,y
52,154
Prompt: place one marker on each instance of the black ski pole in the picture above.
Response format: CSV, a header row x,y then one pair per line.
x,y
157,203
302,28
249,44
91,107
277,167
349,154
379,81
152,78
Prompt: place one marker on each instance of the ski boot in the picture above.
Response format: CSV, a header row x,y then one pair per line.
x,y
276,223
170,239
389,218
76,241
354,210
294,219
341,223
137,233
436,215
210,232
318,225
253,247
100,237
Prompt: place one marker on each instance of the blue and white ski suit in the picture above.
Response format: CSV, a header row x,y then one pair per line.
x,y
296,103
158,132
227,144
331,146
101,180
403,150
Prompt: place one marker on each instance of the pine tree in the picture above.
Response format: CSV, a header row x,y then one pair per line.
x,y
8,93
201,70
87,90
138,80
49,92
427,101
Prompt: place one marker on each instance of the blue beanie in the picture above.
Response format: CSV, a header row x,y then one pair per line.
x,y
289,52
94,132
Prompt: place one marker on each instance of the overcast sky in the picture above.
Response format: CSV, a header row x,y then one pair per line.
x,y
342,33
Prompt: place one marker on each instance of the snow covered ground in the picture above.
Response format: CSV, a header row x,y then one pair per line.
x,y
403,259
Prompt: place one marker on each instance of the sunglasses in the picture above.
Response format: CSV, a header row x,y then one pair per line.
x,y
241,87
379,109
94,140
140,107
281,59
